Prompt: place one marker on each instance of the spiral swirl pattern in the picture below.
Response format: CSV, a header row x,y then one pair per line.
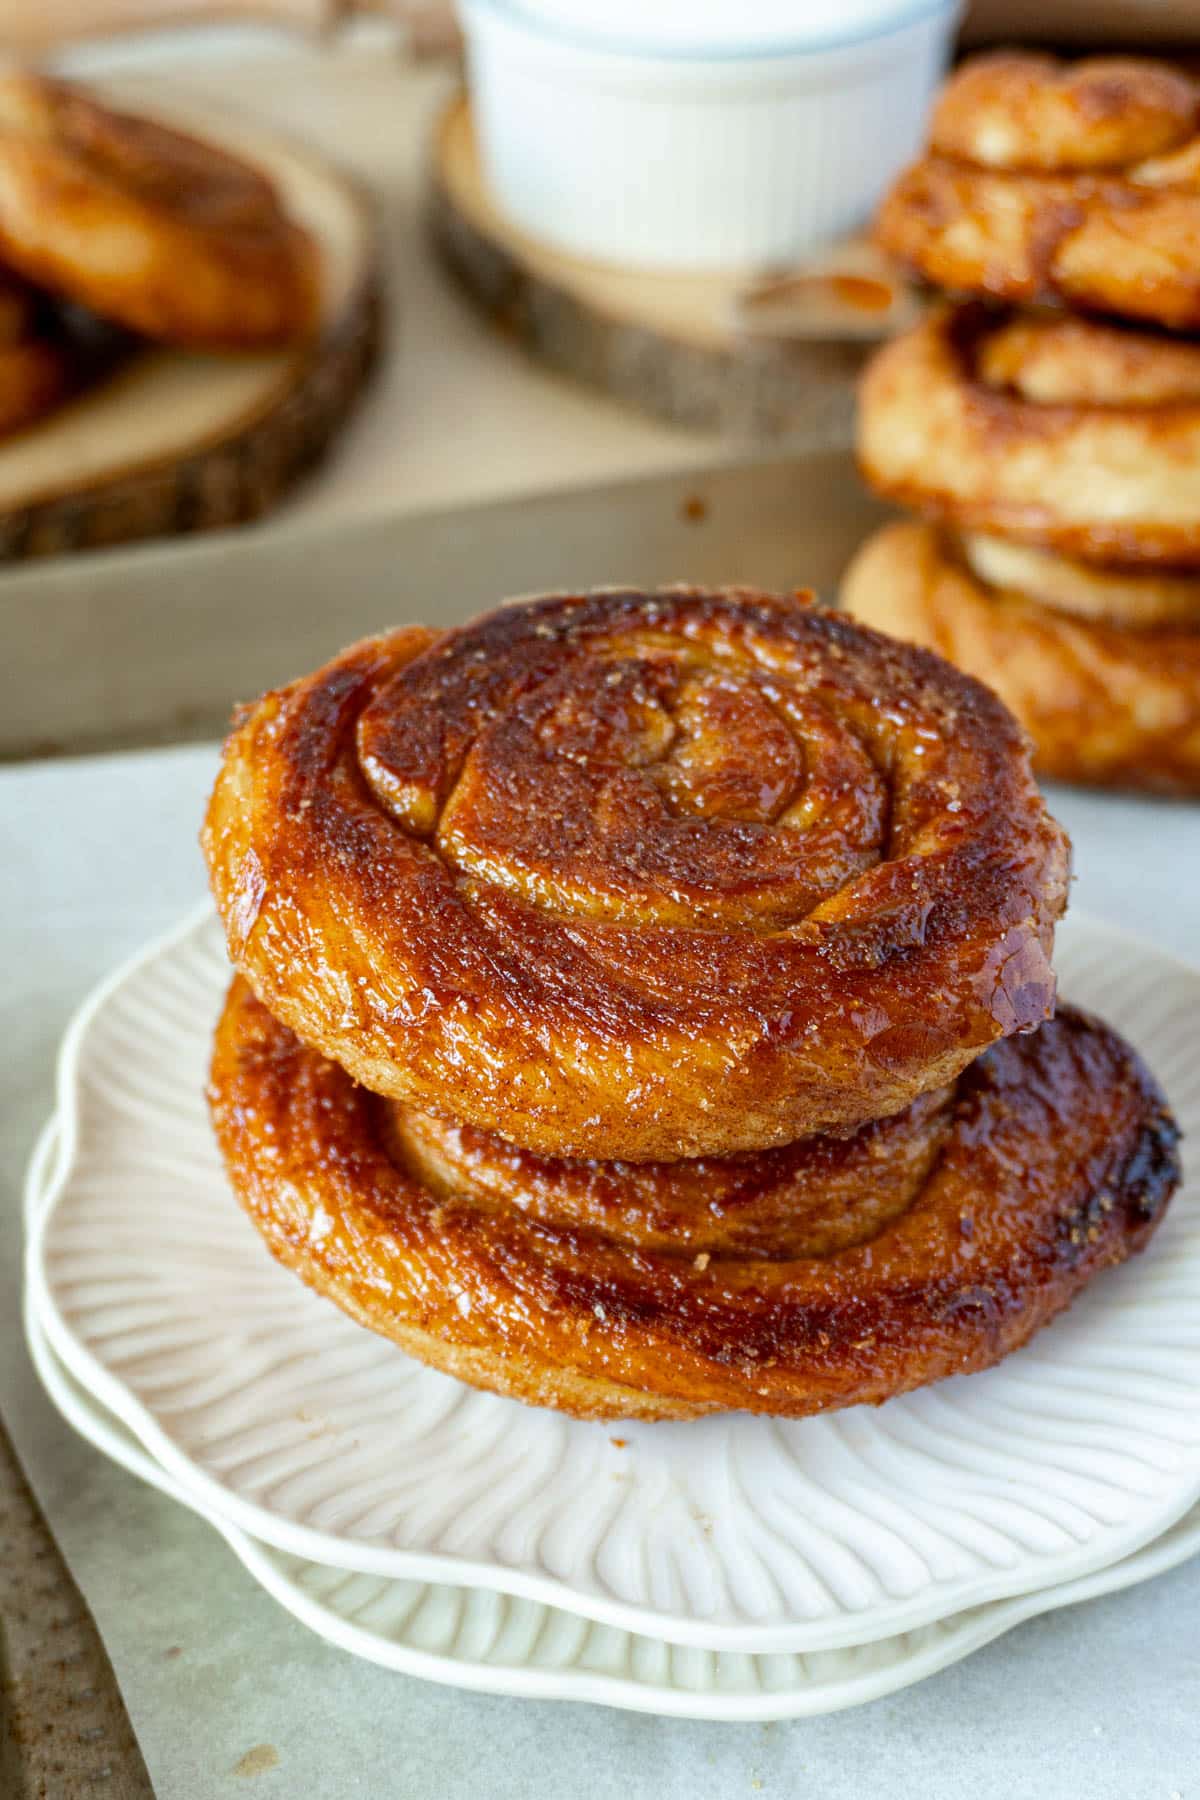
x,y
640,875
1049,429
822,1274
1044,180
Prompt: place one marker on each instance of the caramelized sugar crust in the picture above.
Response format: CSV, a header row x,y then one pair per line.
x,y
1107,704
1025,111
145,226
640,875
1052,430
1077,181
823,1274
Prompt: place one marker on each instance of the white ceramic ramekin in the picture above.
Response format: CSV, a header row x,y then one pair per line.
x,y
686,151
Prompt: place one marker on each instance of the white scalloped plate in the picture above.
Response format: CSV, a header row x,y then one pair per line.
x,y
493,1643
735,1533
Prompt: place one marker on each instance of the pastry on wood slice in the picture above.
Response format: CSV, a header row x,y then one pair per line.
x,y
181,440
151,227
714,351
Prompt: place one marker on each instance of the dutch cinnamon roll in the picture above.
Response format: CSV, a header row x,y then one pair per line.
x,y
1077,181
163,234
1046,428
640,875
826,1273
1109,704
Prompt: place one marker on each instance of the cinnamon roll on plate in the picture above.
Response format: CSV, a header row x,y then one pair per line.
x,y
644,1009
647,876
830,1272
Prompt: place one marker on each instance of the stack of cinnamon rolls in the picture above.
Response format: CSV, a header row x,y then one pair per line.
x,y
644,1008
1046,424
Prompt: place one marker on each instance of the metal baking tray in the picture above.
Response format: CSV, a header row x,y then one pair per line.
x,y
155,645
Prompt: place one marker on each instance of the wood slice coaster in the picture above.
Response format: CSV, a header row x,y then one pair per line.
x,y
667,343
175,441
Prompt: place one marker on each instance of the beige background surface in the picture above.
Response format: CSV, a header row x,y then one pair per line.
x,y
457,414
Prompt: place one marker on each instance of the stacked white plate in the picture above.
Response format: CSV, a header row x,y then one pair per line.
x,y
734,1568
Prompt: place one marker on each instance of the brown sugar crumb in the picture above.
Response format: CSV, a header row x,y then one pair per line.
x,y
257,1761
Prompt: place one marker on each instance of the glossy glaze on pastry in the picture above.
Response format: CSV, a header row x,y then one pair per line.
x,y
147,227
1050,429
1077,181
815,1276
640,875
1105,704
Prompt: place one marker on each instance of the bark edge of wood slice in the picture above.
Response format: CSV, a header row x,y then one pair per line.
x,y
174,442
664,343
